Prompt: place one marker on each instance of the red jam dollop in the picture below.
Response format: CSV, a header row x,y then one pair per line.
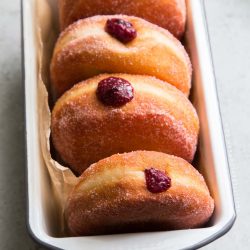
x,y
156,180
121,30
114,91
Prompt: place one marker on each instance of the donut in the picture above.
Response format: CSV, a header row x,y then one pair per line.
x,y
168,14
116,113
138,191
118,44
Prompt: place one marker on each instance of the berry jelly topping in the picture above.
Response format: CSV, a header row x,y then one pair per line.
x,y
114,91
156,180
121,30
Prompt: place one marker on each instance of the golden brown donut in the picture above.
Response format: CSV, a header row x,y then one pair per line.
x,y
158,118
113,196
169,14
85,49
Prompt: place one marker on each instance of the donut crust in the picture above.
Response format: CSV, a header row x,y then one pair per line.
x,y
158,118
111,196
168,14
85,49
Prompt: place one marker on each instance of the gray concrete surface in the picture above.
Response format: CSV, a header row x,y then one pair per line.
x,y
229,22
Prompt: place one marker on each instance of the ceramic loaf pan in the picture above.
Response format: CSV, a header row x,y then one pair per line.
x,y
211,157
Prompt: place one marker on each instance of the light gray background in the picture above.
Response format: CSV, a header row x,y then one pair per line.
x,y
229,26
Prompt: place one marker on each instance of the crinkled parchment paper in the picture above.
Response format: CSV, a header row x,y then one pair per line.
x,y
62,178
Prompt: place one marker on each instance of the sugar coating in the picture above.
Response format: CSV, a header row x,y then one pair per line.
x,y
84,49
169,14
112,196
158,118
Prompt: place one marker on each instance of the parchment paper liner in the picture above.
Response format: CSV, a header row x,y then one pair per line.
x,y
62,178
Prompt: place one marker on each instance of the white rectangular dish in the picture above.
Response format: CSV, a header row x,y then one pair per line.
x,y
211,157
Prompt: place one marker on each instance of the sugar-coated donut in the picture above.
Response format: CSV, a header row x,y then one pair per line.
x,y
169,14
114,195
98,118
86,49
